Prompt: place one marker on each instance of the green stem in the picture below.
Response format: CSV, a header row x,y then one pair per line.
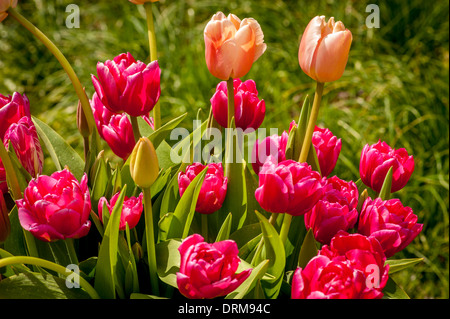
x,y
64,63
230,147
311,123
153,56
135,126
205,226
230,93
71,249
150,238
49,265
285,227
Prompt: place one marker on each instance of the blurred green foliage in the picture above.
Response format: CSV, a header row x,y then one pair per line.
x,y
395,87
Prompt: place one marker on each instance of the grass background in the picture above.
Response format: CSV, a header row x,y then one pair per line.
x,y
395,87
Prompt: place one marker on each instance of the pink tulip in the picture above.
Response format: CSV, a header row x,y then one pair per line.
x,y
335,211
324,49
249,111
12,109
325,278
56,207
392,224
274,146
25,141
213,190
377,159
131,210
327,147
288,187
365,254
208,270
127,85
232,45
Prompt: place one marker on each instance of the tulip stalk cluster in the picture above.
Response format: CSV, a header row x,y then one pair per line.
x,y
200,230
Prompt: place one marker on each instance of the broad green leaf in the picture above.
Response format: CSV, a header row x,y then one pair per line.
x,y
15,243
224,232
274,252
60,151
31,285
9,270
394,291
168,261
396,265
105,277
184,212
160,134
101,180
308,250
255,276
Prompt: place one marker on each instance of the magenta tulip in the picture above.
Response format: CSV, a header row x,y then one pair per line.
x,y
249,110
25,141
208,270
131,210
12,109
392,224
127,85
328,148
335,211
274,146
56,207
213,190
377,159
288,187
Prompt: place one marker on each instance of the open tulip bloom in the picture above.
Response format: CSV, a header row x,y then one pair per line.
x,y
129,221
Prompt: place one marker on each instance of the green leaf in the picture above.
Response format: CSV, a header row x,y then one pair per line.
x,y
385,191
394,291
308,250
143,296
275,253
38,286
396,265
184,212
105,277
168,261
160,134
255,276
60,151
224,232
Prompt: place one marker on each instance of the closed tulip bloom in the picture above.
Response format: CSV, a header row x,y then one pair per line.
x,y
56,207
365,254
328,148
25,141
12,109
127,85
392,224
208,270
377,159
144,166
324,49
4,6
232,45
274,146
249,110
213,190
335,211
325,278
131,210
288,187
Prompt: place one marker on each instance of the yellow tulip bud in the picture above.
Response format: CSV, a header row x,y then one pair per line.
x,y
144,167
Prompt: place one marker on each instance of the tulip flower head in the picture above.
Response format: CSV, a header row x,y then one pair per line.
x,y
208,270
377,159
392,224
272,146
144,166
328,148
4,6
127,85
249,110
213,190
131,210
324,49
56,207
232,45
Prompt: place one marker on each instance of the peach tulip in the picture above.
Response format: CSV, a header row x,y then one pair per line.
x,y
232,45
324,49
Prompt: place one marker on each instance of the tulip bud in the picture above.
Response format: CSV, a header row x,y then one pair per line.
x,y
82,123
324,49
5,225
144,167
137,250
